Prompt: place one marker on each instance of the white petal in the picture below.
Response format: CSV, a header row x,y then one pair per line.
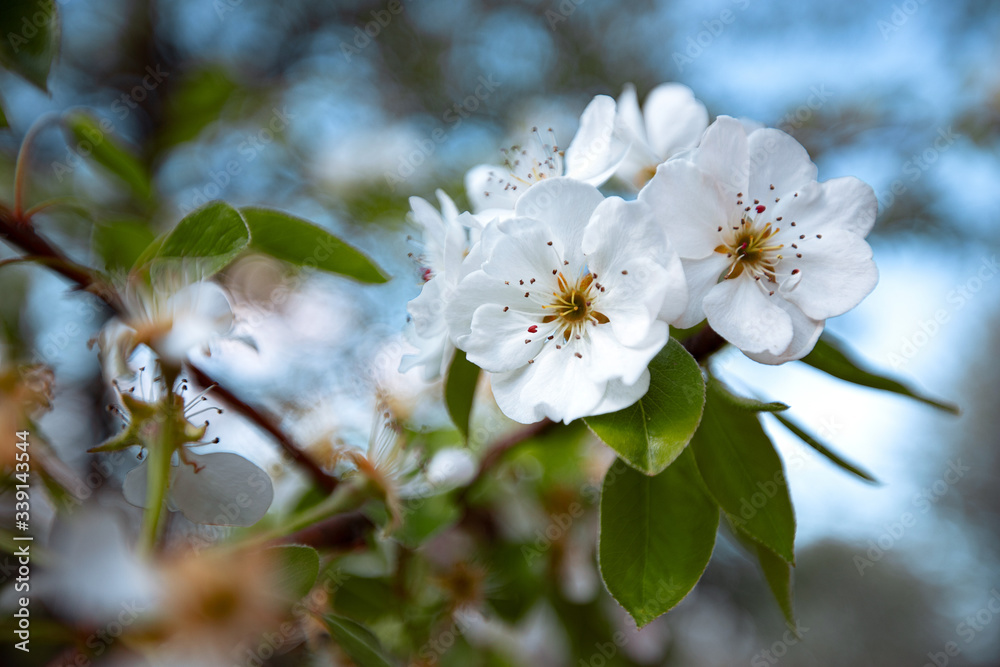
x,y
611,360
723,153
451,467
596,150
702,275
629,116
844,203
134,485
779,160
484,185
675,120
427,308
837,272
475,289
690,204
805,333
227,490
497,342
618,395
742,313
557,386
565,205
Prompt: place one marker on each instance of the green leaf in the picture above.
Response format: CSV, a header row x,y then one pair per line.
x,y
810,440
357,641
210,238
302,243
297,569
777,573
743,471
652,433
460,390
831,356
91,138
657,536
3,115
120,243
29,38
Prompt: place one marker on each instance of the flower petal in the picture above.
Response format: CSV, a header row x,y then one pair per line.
x,y
618,395
485,185
675,120
723,154
610,360
777,160
565,205
690,204
227,490
837,272
702,275
557,386
845,203
742,313
805,333
499,341
596,150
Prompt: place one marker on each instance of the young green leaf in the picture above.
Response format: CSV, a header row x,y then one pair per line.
x,y
831,356
302,243
777,572
209,238
460,390
357,641
297,569
92,138
653,432
120,243
810,440
743,471
657,536
30,38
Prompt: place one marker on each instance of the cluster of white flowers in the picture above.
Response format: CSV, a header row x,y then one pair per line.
x,y
565,295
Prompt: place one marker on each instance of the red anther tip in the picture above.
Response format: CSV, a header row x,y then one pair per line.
x,y
761,208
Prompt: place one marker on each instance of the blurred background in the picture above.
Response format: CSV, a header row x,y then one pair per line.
x,y
340,111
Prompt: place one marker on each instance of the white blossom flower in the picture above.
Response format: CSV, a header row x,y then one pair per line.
x,y
592,157
447,238
769,252
570,304
671,121
172,317
217,488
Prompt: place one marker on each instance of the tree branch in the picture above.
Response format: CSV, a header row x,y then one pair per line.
x,y
704,344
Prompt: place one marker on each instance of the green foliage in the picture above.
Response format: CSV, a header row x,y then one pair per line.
x,y
302,243
831,356
90,137
356,641
30,38
297,569
208,239
460,390
743,471
652,433
118,244
838,460
657,536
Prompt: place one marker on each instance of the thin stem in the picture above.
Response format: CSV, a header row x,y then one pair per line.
x,y
704,344
158,477
347,498
20,168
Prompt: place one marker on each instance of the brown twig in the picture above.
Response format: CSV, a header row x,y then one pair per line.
x,y
341,532
19,232
268,424
704,344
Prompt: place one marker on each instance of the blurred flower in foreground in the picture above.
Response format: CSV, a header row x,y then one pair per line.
x,y
173,318
570,304
220,488
400,472
672,120
447,238
769,253
592,157
184,608
25,391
